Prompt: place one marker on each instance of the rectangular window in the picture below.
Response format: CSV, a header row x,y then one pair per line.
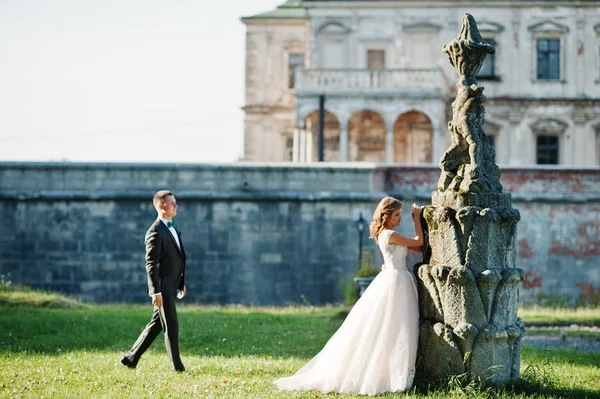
x,y
548,59
488,68
296,60
547,150
375,59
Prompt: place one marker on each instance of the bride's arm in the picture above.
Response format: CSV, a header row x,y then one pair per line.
x,y
399,239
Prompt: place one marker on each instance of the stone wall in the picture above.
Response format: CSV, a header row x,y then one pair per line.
x,y
264,234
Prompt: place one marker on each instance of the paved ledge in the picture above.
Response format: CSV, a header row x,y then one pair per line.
x,y
329,196
265,195
271,165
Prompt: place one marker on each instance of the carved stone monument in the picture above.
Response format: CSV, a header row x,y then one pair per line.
x,y
468,285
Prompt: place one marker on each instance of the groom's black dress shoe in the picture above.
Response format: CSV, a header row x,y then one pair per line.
x,y
128,363
179,369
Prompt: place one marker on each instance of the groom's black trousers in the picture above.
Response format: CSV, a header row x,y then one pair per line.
x,y
163,319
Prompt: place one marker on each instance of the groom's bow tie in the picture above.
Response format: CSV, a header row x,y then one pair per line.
x,y
172,224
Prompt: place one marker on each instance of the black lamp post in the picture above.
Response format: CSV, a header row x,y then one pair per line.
x,y
360,225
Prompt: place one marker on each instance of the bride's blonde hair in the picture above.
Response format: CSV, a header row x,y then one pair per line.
x,y
382,213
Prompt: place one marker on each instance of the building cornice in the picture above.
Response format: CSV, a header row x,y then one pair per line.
x,y
549,101
274,22
265,108
445,3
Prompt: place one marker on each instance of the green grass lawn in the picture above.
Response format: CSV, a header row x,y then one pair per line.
x,y
561,316
229,352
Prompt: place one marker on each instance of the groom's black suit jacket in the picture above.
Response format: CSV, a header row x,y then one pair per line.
x,y
165,261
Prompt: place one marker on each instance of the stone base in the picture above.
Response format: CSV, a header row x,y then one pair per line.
x,y
488,356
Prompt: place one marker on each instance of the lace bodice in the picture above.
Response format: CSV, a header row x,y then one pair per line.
x,y
394,256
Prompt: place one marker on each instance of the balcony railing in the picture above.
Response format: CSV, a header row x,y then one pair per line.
x,y
375,81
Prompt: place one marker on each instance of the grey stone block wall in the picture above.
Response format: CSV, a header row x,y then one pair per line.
x,y
259,234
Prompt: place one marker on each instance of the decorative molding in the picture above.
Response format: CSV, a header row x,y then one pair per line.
x,y
579,115
549,126
376,36
486,27
548,26
522,102
422,27
333,27
265,109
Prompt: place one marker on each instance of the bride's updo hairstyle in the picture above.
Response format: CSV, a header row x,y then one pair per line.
x,y
382,213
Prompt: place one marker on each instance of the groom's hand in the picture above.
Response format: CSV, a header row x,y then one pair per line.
x,y
182,293
157,300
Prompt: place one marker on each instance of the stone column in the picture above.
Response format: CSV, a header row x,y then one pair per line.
x,y
518,145
296,145
389,144
468,283
343,142
307,145
580,75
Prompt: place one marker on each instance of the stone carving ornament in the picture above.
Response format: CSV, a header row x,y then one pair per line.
x,y
468,283
469,163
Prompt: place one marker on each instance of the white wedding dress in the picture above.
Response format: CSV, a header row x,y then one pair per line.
x,y
374,351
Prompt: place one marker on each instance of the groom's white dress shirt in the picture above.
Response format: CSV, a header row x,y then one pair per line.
x,y
173,231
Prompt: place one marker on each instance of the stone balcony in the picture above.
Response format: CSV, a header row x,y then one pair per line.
x,y
371,82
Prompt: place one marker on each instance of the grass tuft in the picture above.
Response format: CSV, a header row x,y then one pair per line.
x,y
20,295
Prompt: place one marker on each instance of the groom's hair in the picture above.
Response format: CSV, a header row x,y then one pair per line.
x,y
160,196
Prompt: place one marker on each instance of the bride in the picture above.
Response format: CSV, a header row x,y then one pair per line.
x,y
374,351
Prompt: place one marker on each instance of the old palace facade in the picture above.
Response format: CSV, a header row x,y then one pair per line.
x,y
377,71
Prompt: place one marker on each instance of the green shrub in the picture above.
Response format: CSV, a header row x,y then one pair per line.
x,y
349,290
367,267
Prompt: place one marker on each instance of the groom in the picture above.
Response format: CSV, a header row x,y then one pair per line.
x,y
165,267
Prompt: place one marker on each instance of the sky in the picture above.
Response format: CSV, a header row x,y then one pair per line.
x,y
123,80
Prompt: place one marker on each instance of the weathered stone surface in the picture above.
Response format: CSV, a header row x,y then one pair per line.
x,y
471,229
430,305
491,358
487,283
444,230
461,300
439,354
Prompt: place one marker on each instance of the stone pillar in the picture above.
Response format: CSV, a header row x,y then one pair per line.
x,y
307,146
518,145
580,75
296,145
343,142
389,145
576,140
468,283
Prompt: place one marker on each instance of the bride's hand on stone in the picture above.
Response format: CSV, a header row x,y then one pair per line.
x,y
416,211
